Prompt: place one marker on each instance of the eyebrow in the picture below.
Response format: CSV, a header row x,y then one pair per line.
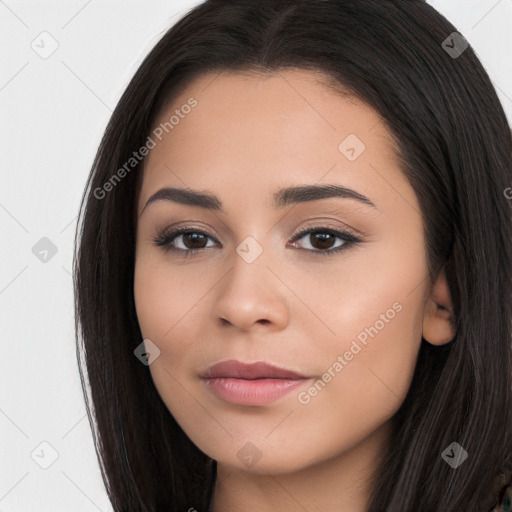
x,y
282,198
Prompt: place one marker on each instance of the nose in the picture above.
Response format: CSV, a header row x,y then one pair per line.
x,y
252,294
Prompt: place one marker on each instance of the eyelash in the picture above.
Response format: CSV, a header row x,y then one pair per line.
x,y
167,236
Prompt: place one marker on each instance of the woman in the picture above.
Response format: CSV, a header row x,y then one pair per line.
x,y
293,278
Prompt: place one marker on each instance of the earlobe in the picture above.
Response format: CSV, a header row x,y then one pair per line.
x,y
438,318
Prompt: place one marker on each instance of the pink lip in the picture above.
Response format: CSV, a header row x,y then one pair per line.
x,y
250,384
259,370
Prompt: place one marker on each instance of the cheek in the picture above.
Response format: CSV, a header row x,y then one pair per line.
x,y
365,379
377,362
171,313
369,351
165,300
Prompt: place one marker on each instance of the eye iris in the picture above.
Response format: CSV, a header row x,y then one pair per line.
x,y
325,239
194,237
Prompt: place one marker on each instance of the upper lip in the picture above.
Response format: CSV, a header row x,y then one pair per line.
x,y
259,370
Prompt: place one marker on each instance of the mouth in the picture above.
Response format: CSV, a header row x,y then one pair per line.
x,y
234,369
250,384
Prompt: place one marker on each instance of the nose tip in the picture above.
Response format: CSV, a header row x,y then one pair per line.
x,y
251,295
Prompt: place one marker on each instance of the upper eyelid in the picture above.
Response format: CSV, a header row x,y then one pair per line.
x,y
333,225
192,229
172,234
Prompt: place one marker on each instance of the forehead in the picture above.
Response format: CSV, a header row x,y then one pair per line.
x,y
266,130
286,95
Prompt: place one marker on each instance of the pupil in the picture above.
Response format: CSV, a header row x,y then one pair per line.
x,y
324,240
195,237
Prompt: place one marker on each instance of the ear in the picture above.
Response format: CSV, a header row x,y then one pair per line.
x,y
438,320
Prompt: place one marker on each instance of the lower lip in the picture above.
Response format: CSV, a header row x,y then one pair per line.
x,y
251,392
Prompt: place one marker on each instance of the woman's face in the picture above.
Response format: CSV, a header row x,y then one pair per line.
x,y
348,321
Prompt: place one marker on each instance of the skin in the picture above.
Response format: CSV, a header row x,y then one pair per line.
x,y
249,136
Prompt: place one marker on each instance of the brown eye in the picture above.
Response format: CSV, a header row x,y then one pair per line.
x,y
323,240
192,240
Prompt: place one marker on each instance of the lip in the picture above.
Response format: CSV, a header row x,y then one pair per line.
x,y
257,383
259,370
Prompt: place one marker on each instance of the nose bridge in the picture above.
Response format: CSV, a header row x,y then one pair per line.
x,y
250,250
250,267
251,292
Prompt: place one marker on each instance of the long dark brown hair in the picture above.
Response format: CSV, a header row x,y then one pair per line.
x,y
455,148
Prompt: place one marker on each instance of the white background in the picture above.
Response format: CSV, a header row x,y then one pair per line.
x,y
52,115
